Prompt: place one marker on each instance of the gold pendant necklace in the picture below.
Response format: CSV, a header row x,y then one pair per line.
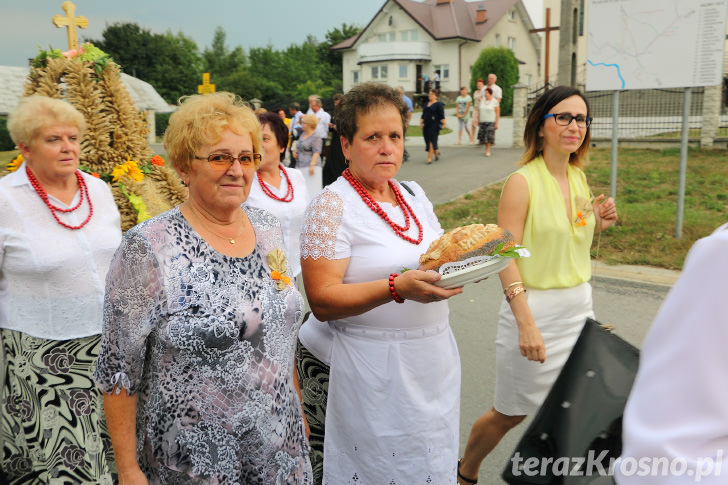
x,y
231,240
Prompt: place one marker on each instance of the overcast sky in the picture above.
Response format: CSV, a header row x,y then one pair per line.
x,y
26,24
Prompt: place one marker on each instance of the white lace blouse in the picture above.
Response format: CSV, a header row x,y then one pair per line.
x,y
392,413
52,278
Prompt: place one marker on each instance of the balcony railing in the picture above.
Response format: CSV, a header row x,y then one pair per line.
x,y
393,51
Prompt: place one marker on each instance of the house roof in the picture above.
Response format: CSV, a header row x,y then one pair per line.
x,y
12,80
454,19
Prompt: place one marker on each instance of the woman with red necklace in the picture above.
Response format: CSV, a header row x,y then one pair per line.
x,y
279,191
59,229
392,414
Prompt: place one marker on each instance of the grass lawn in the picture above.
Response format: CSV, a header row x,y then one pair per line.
x,y
647,186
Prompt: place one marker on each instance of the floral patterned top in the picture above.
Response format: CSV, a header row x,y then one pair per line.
x,y
207,341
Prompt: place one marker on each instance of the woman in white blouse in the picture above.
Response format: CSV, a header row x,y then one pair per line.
x,y
394,387
59,228
279,191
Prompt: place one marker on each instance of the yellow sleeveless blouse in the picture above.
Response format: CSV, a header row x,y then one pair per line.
x,y
559,245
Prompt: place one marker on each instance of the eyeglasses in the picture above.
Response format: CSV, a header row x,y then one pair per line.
x,y
223,161
565,119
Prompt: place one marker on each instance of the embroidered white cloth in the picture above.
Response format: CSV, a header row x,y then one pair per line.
x,y
676,419
289,213
52,278
393,408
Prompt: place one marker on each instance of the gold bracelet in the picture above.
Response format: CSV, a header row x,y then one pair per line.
x,y
505,290
516,291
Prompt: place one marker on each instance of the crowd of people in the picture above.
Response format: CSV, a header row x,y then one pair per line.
x,y
182,351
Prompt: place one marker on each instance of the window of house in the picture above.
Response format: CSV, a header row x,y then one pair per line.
x,y
581,18
403,71
404,35
512,43
379,72
497,40
382,37
355,77
413,35
512,14
444,70
392,36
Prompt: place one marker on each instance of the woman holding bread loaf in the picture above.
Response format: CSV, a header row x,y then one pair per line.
x,y
548,207
394,386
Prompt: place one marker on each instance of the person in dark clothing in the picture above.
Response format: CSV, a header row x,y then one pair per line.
x,y
335,161
432,121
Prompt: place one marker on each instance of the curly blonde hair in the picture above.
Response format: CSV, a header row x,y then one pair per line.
x,y
36,113
201,120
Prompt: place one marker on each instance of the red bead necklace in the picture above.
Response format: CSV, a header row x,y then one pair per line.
x,y
377,209
289,193
44,196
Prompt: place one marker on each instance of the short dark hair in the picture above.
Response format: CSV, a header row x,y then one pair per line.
x,y
360,100
295,106
489,90
534,143
277,126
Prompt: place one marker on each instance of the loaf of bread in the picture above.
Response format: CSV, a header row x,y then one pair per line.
x,y
465,242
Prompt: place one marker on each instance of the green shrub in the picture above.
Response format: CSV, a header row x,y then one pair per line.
x,y
503,63
6,143
161,121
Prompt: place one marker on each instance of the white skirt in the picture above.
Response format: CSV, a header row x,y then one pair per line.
x,y
521,385
393,411
314,183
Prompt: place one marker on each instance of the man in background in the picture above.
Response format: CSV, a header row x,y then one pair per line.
x,y
322,129
497,91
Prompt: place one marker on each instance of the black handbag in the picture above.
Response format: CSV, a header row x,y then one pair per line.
x,y
577,433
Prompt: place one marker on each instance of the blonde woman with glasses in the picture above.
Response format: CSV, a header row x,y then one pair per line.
x,y
200,321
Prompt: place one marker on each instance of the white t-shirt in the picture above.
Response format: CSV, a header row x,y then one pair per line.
x,y
487,110
322,129
52,278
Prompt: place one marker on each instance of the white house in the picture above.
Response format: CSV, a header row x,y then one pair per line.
x,y
407,39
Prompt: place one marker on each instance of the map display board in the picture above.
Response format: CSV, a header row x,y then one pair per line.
x,y
647,44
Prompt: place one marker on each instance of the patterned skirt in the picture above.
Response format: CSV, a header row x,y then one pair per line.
x,y
53,425
314,379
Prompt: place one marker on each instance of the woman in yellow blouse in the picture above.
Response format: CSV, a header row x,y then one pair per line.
x,y
547,205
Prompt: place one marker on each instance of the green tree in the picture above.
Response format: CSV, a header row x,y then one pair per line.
x,y
501,62
180,72
223,64
334,59
171,63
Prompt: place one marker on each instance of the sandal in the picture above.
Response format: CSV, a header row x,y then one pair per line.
x,y
464,478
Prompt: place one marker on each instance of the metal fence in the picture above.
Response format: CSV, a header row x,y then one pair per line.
x,y
648,113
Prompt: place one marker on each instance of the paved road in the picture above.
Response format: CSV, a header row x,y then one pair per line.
x,y
628,304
